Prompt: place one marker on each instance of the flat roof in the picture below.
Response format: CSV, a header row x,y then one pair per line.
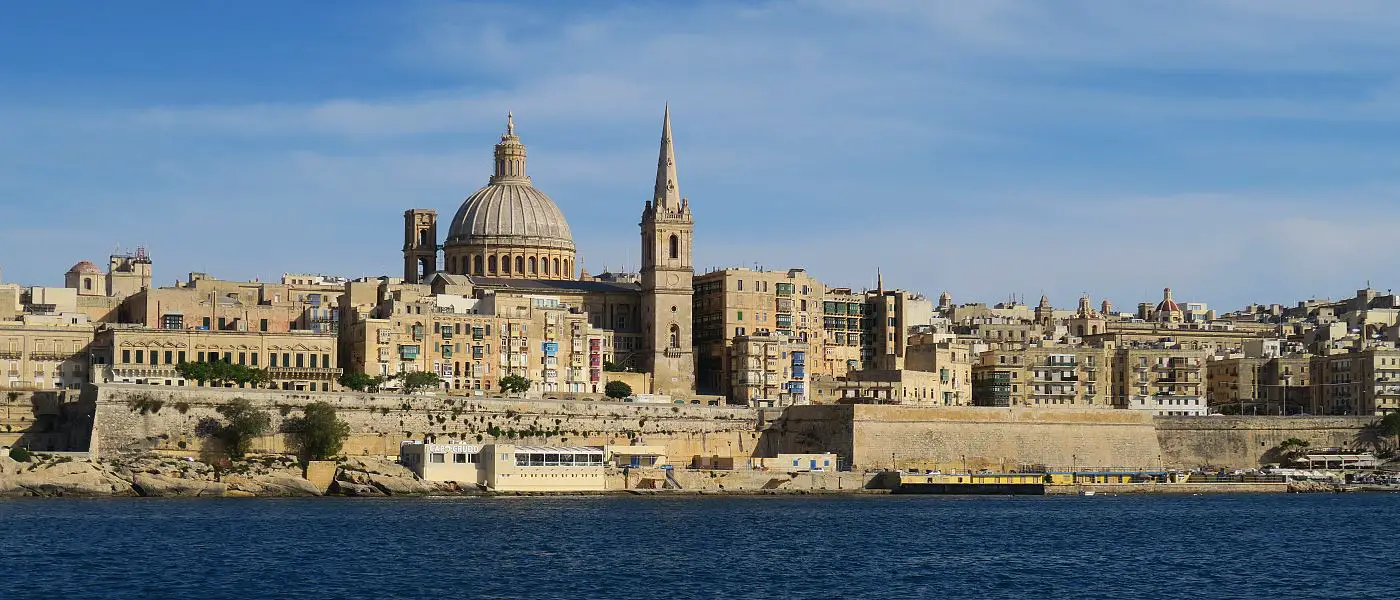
x,y
553,285
557,450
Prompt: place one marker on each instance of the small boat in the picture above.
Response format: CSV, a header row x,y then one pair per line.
x,y
1086,492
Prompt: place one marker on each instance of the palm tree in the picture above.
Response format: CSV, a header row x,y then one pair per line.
x,y
1293,449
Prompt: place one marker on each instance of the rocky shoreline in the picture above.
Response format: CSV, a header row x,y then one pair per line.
x,y
158,476
151,475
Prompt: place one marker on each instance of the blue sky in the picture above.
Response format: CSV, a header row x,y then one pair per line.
x,y
1236,150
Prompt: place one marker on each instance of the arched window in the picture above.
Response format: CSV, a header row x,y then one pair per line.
x,y
476,265
568,268
533,269
87,283
675,246
520,265
491,264
675,336
505,264
423,239
556,267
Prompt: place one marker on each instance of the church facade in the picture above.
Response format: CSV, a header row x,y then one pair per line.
x,y
509,243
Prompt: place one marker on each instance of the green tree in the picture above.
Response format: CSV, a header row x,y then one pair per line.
x,y
515,384
613,367
319,434
219,372
416,381
1293,449
243,424
21,454
362,382
1390,425
617,390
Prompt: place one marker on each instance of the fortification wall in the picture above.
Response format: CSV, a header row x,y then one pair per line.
x,y
56,420
882,436
378,422
1247,442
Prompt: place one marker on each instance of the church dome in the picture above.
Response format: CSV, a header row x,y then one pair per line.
x,y
85,267
506,214
508,228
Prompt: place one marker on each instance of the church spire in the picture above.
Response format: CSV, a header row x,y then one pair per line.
x,y
667,192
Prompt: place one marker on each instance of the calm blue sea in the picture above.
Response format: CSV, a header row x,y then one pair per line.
x,y
1271,547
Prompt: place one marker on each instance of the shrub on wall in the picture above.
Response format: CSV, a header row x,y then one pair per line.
x,y
319,434
244,424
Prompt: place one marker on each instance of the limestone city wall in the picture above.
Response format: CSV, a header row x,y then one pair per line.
x,y
1247,442
885,436
378,422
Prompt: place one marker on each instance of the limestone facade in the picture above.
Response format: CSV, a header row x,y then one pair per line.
x,y
300,360
1364,382
736,302
1045,377
768,370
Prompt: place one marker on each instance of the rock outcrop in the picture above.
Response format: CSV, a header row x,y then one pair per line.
x,y
62,478
163,476
388,478
147,484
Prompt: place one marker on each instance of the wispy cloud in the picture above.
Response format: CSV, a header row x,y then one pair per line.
x,y
1226,148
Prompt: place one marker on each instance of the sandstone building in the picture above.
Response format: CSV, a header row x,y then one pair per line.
x,y
511,244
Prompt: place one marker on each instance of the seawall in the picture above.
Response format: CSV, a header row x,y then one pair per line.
x,y
1246,442
166,420
897,437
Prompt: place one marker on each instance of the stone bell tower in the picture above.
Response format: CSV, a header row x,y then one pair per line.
x,y
667,233
419,245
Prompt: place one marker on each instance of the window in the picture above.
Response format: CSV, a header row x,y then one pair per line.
x,y
272,359
460,458
242,358
140,356
262,325
437,457
172,322
520,265
325,361
740,315
301,360
126,356
255,359
533,269
181,356
223,323
675,246
556,267
675,336
206,322
741,284
313,361
169,357
491,265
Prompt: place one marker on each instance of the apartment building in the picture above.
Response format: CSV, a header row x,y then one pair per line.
x,y
1162,379
768,370
730,303
1356,382
1044,376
